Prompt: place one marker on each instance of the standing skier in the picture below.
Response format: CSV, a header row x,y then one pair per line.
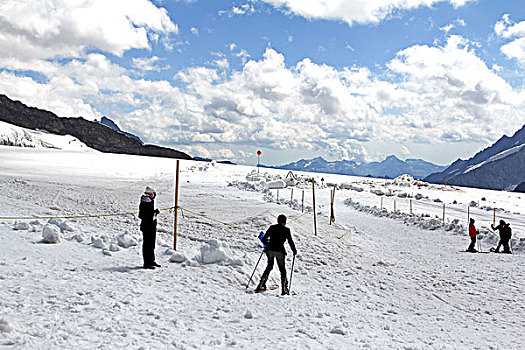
x,y
148,226
472,232
274,242
505,233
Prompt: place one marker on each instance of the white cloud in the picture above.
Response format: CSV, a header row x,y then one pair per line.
x,y
433,94
65,28
507,29
356,11
147,64
194,31
458,22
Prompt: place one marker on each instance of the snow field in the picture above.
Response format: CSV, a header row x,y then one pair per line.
x,y
366,282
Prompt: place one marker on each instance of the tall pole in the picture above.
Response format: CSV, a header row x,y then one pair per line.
x,y
258,160
315,215
291,197
411,207
443,213
494,218
302,204
176,207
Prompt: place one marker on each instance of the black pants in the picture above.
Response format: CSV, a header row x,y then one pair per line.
x,y
472,245
280,263
504,241
149,236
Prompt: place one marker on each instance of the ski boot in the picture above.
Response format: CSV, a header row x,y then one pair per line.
x,y
285,289
261,287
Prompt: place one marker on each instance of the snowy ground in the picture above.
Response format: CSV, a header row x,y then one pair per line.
x,y
373,280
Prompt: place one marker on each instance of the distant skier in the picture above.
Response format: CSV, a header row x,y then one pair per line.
x,y
148,226
274,247
505,233
472,232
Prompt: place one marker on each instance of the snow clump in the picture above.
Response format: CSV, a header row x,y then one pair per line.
x,y
339,329
98,242
177,257
51,234
214,252
21,226
6,326
125,240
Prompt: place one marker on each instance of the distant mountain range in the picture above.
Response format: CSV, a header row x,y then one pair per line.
x,y
93,134
111,124
391,167
499,167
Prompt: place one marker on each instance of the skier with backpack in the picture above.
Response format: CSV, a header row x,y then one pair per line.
x,y
505,233
274,240
148,226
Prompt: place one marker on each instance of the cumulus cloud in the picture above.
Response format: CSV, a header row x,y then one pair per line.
x,y
507,29
65,28
357,11
427,94
148,64
458,22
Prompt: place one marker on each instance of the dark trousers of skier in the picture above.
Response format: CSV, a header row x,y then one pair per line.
x,y
149,236
504,241
272,255
472,246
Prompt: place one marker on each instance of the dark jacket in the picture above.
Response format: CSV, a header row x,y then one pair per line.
x,y
505,232
276,236
147,213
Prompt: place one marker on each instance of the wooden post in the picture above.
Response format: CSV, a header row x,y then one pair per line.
x,y
468,213
332,199
291,197
313,196
176,207
302,205
494,218
411,207
381,203
443,213
277,196
394,205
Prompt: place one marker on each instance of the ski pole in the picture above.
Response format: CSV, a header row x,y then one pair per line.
x,y
291,274
255,269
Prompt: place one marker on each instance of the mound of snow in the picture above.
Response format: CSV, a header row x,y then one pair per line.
x,y
259,222
276,184
98,242
21,226
347,186
177,257
51,234
214,252
12,135
125,240
6,326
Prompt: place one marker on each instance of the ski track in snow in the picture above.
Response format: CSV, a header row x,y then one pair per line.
x,y
365,282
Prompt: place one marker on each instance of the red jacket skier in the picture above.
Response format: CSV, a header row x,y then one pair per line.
x,y
472,232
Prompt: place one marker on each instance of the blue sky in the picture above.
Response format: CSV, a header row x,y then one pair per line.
x,y
297,79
